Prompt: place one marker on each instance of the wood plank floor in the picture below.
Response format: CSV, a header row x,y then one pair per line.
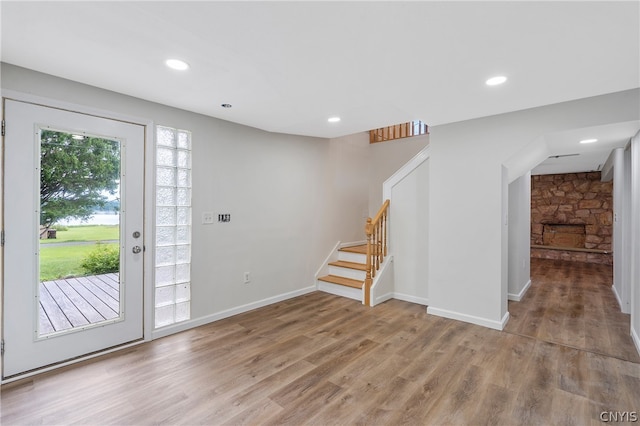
x,y
572,304
76,302
320,359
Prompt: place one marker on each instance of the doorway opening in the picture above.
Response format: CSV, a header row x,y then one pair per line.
x,y
570,300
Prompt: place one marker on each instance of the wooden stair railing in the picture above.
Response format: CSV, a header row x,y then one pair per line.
x,y
398,131
376,231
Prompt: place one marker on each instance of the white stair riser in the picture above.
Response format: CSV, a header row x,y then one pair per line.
x,y
354,274
340,290
352,257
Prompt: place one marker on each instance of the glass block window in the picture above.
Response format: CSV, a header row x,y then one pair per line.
x,y
173,226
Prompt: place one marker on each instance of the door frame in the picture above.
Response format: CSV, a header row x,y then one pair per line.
x,y
148,214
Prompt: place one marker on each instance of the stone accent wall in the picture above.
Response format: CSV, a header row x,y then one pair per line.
x,y
573,198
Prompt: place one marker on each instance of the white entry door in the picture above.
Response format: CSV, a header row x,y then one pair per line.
x,y
73,222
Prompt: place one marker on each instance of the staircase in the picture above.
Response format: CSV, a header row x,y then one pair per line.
x,y
347,274
352,269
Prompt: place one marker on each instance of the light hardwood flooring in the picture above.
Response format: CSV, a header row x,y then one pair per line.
x,y
320,359
572,304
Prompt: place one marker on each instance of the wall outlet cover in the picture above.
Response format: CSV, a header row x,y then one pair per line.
x,y
207,218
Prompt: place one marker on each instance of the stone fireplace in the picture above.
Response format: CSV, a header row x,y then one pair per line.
x,y
563,235
572,217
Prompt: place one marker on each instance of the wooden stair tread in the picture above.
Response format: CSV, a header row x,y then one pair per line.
x,y
350,265
361,249
342,281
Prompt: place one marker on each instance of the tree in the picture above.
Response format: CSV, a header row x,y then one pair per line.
x,y
76,173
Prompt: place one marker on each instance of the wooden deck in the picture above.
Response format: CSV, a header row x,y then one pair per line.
x,y
77,302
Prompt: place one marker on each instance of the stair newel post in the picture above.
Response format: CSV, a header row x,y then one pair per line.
x,y
368,280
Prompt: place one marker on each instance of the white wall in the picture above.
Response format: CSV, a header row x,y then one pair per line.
x,y
620,220
466,198
350,158
504,241
626,227
519,237
386,159
1,210
291,198
408,235
635,240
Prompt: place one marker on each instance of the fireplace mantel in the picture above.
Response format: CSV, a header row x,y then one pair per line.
x,y
580,250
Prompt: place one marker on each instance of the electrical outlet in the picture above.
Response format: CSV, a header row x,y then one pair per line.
x,y
207,218
247,277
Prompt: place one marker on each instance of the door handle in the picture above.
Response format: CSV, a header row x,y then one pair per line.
x,y
136,249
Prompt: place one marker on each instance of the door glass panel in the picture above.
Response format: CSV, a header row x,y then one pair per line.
x,y
79,230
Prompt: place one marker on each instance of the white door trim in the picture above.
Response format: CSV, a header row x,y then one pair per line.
x,y
149,203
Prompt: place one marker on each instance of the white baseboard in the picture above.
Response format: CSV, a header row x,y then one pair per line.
x,y
496,325
618,298
383,283
615,292
410,298
186,325
504,321
382,298
636,339
518,297
324,268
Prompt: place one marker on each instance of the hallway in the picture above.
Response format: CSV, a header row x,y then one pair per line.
x,y
572,304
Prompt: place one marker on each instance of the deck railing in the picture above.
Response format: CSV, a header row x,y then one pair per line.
x,y
376,231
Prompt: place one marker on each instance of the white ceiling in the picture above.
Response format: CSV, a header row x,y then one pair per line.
x,y
288,66
569,156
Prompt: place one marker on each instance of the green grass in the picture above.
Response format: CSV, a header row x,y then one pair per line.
x,y
86,233
60,262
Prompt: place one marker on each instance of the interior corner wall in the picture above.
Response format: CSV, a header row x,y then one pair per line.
x,y
504,245
348,183
635,240
2,222
519,230
466,201
620,256
408,235
386,158
626,228
286,196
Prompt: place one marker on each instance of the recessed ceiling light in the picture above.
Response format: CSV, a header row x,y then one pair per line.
x,y
494,81
589,140
226,105
333,119
177,64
